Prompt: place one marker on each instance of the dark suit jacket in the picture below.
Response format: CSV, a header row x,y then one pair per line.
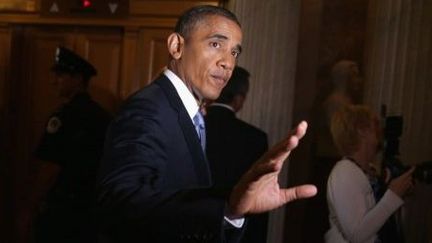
x,y
232,147
154,180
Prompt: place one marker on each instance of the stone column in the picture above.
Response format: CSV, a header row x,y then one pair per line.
x,y
270,36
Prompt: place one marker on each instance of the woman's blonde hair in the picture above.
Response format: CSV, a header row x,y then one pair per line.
x,y
346,124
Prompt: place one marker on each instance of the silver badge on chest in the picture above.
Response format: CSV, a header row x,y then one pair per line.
x,y
53,125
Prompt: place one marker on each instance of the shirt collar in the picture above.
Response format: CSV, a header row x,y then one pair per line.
x,y
222,105
185,94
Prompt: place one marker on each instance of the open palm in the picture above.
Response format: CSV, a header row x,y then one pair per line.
x,y
258,190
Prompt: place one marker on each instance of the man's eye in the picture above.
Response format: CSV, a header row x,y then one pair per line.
x,y
215,44
235,53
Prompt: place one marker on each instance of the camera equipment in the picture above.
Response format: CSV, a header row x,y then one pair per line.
x,y
392,132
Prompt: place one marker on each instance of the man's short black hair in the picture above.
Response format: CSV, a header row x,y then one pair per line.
x,y
191,17
237,85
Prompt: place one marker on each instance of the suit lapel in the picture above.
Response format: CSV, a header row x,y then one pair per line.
x,y
201,166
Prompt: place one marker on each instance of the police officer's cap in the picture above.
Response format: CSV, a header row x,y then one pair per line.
x,y
66,61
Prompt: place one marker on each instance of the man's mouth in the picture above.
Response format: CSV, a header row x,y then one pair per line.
x,y
219,80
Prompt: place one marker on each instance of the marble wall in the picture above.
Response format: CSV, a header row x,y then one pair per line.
x,y
270,40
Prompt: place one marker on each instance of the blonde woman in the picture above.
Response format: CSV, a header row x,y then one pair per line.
x,y
354,214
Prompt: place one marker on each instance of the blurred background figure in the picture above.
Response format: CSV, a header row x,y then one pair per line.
x,y
62,195
358,210
234,145
346,88
347,84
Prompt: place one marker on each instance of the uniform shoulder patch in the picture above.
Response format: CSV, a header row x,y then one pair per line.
x,y
54,124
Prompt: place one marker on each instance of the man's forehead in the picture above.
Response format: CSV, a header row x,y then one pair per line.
x,y
216,21
217,25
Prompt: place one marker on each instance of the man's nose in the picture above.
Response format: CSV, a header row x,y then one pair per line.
x,y
227,61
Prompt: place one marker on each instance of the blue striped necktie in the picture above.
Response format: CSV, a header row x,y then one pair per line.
x,y
200,128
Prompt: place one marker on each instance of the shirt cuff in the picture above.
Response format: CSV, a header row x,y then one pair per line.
x,y
238,223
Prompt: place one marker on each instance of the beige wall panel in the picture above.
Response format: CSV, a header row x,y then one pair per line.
x,y
144,56
164,7
5,39
103,49
130,71
153,53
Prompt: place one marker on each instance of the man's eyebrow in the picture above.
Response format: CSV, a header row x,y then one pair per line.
x,y
223,37
239,48
218,36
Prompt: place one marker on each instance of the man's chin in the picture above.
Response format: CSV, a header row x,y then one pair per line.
x,y
212,96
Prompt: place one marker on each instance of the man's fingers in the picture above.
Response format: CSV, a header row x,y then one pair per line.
x,y
299,192
282,149
301,129
410,171
273,160
296,135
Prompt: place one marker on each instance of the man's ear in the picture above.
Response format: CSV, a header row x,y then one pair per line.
x,y
175,45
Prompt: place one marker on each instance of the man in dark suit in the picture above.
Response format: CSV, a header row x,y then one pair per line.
x,y
155,182
234,145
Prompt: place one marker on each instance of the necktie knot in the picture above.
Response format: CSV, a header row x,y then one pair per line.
x,y
200,128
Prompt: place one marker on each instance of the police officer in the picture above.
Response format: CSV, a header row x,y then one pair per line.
x,y
69,152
